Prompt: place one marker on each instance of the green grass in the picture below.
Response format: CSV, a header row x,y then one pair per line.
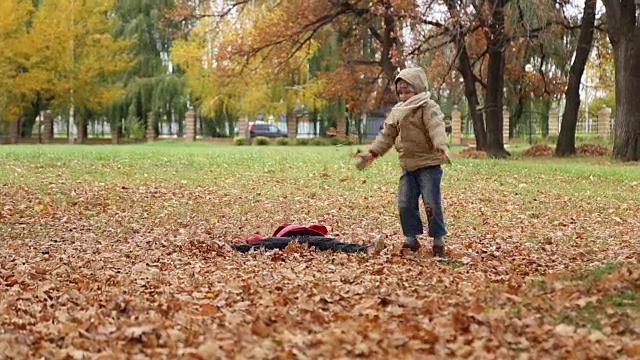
x,y
191,164
595,274
161,156
625,301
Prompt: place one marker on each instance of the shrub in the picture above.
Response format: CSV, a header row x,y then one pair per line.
x,y
318,142
340,140
539,140
282,141
239,140
302,141
133,128
591,139
261,140
552,139
538,150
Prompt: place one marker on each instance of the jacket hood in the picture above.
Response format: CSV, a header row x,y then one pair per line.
x,y
414,76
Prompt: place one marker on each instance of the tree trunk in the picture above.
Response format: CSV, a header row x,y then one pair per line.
x,y
517,116
464,66
388,41
14,131
82,130
29,117
567,138
495,81
624,35
470,92
627,123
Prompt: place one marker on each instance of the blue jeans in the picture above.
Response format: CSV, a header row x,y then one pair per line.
x,y
425,182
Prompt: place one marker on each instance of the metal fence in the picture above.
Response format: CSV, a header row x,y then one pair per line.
x,y
365,128
537,124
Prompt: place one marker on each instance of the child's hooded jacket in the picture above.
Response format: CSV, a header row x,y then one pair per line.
x,y
415,126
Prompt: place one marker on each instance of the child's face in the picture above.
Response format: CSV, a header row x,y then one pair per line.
x,y
404,90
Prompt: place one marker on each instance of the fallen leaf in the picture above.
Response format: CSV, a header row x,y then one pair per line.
x,y
210,350
564,330
259,328
632,349
137,331
208,310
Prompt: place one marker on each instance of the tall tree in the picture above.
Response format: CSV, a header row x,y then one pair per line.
x,y
13,32
465,67
65,47
567,139
624,34
492,41
153,84
496,44
370,34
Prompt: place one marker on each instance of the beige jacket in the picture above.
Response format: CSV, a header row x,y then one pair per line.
x,y
416,127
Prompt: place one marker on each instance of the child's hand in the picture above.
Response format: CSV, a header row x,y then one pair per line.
x,y
442,149
366,158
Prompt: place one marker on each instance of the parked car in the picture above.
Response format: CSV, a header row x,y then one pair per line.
x,y
265,129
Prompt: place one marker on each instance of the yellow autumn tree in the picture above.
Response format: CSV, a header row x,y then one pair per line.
x,y
218,73
72,49
61,52
13,31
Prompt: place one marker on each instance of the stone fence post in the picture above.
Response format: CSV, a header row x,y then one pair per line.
x,y
505,125
604,121
456,126
47,127
190,125
243,129
554,122
115,132
292,129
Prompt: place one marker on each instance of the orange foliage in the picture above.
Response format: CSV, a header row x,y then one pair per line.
x,y
356,86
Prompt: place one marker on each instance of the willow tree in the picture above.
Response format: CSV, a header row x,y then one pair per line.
x,y
152,84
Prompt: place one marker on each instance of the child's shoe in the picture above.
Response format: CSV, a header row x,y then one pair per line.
x,y
411,244
438,251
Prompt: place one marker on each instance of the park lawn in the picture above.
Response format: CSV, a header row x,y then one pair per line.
x,y
120,251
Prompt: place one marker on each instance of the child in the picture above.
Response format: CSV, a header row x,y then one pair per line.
x,y
416,127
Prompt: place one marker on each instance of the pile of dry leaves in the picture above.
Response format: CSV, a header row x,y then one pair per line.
x,y
592,150
538,150
472,153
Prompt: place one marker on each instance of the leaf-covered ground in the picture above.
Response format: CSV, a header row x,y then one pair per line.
x,y
119,252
